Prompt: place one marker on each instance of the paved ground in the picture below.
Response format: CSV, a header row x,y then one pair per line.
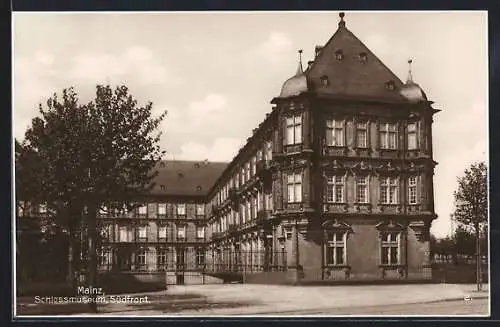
x,y
251,300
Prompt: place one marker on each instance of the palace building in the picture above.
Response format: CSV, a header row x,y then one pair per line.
x,y
335,184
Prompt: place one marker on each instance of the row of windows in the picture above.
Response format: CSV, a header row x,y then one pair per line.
x,y
390,249
164,256
388,189
247,171
248,211
161,210
336,133
127,233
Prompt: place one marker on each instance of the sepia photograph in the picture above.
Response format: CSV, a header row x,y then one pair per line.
x,y
251,164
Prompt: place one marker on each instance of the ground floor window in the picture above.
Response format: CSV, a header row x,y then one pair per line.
x,y
140,260
200,257
390,248
336,250
161,257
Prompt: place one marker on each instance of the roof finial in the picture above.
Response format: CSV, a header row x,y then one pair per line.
x,y
409,80
299,69
342,22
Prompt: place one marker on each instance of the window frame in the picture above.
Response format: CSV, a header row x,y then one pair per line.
x,y
413,133
366,185
386,183
158,211
358,129
160,228
332,127
413,186
332,244
178,229
178,206
387,243
294,180
333,185
294,124
385,131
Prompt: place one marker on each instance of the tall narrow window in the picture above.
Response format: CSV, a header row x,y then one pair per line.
x,y
390,248
248,172
161,257
200,209
162,232
294,130
42,208
181,232
143,210
388,136
141,258
336,249
389,190
200,232
200,257
162,209
20,209
335,132
362,189
124,234
269,150
143,233
412,136
181,209
335,189
294,187
362,135
412,190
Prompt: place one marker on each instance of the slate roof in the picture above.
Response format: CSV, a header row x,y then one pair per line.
x,y
359,75
187,178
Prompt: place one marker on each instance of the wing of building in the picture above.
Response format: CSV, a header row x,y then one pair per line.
x,y
335,184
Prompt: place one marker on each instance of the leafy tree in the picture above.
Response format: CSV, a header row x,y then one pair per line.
x,y
471,205
102,152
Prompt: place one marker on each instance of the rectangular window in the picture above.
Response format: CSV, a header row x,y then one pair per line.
x,y
162,232
412,190
362,135
412,136
161,256
200,257
143,232
141,258
294,130
105,256
200,209
181,209
200,232
269,150
390,248
362,189
124,234
388,136
181,232
335,189
294,187
143,210
336,249
162,209
254,165
335,132
247,170
389,190
42,208
20,209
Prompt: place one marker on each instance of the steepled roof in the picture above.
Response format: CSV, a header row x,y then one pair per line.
x,y
345,68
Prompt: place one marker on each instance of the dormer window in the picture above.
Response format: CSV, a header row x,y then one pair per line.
x,y
162,187
196,165
362,57
339,55
180,174
324,81
390,85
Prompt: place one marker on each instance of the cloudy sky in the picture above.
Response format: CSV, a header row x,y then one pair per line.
x,y
215,73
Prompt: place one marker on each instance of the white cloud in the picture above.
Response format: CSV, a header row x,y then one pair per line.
x,y
276,44
222,149
212,103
